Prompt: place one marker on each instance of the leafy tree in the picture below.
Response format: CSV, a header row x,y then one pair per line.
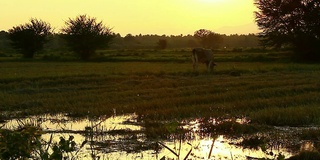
x,y
85,35
292,23
30,37
5,42
208,38
201,35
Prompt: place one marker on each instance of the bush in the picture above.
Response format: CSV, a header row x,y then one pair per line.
x,y
31,37
85,35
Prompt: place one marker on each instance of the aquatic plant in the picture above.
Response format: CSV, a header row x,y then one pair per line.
x,y
26,142
20,143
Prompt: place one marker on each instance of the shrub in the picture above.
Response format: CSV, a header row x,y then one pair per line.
x,y
30,38
85,35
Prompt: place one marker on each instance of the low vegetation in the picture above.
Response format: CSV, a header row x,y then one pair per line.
x,y
165,90
161,87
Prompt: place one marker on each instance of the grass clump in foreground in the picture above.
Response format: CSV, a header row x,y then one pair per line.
x,y
26,142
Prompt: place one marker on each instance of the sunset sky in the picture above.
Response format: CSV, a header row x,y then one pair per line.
x,y
170,17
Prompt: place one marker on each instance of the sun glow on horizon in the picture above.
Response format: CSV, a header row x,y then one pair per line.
x,y
170,17
214,1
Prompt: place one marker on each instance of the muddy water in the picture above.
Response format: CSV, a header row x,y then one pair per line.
x,y
121,137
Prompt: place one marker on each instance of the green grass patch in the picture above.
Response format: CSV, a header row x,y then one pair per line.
x,y
289,116
161,85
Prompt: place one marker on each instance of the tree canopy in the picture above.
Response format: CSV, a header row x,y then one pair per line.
x,y
292,23
30,37
208,38
85,35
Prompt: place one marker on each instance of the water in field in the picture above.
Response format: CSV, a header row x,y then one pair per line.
x,y
122,137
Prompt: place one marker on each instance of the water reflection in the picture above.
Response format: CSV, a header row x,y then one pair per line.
x,y
122,137
220,148
61,122
307,146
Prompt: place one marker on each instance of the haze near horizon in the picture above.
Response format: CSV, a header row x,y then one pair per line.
x,y
169,17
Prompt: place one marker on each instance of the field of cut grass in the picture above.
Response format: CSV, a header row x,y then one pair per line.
x,y
258,86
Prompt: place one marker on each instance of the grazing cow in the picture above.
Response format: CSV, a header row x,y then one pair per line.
x,y
201,55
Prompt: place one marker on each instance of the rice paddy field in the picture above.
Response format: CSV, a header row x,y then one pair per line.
x,y
267,90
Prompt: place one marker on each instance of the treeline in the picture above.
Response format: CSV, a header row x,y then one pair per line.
x,y
181,41
129,41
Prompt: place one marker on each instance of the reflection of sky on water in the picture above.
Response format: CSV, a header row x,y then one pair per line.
x,y
61,122
223,148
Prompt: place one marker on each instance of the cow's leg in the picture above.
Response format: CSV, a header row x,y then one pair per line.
x,y
195,66
195,62
212,64
209,65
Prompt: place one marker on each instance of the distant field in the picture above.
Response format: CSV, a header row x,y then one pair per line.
x,y
161,85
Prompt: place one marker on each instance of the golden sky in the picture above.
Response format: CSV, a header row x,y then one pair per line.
x,y
170,17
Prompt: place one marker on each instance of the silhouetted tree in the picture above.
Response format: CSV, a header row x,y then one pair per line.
x,y
129,38
5,42
208,38
162,43
178,41
201,35
130,41
30,37
214,40
293,23
85,35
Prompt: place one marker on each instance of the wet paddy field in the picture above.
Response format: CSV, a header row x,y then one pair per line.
x,y
122,137
161,110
